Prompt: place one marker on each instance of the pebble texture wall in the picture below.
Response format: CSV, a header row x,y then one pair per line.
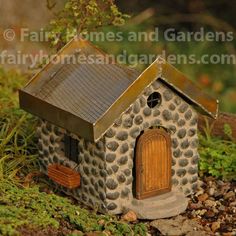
x,y
106,167
175,115
91,165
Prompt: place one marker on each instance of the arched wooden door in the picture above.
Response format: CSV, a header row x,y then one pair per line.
x,y
153,163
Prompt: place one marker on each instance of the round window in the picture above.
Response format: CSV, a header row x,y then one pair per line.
x,y
154,100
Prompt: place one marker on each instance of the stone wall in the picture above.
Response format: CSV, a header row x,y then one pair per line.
x,y
91,165
174,114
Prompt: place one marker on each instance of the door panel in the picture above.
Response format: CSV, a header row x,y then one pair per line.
x,y
153,163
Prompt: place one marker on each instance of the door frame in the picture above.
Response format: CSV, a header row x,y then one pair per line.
x,y
139,193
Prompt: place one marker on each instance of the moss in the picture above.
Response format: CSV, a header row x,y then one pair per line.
x,y
28,206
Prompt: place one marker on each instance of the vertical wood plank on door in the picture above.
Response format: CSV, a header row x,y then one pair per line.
x,y
153,163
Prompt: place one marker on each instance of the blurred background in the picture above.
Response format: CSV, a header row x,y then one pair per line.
x,y
184,16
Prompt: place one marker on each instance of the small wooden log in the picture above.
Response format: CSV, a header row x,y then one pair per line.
x,y
217,126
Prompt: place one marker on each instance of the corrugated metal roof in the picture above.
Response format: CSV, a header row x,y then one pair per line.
x,y
87,90
86,98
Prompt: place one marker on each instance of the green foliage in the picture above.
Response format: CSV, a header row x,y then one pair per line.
x,y
17,146
28,206
82,16
218,157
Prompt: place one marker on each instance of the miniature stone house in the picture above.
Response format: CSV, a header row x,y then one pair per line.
x,y
131,137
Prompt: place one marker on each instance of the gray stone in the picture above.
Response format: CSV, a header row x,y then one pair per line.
x,y
184,181
123,160
111,184
85,181
187,192
174,142
112,146
192,170
146,125
91,191
134,133
188,153
51,149
86,170
156,112
110,133
142,101
147,111
172,128
128,122
156,85
188,115
177,101
129,181
192,132
48,126
185,144
183,162
121,178
55,159
109,171
194,143
113,195
100,145
181,172
94,172
111,206
175,117
168,95
45,142
181,123
193,121
124,148
167,115
115,168
195,159
175,182
102,196
173,161
172,172
103,173
183,108
118,122
177,153
147,91
99,154
110,157
181,133
136,108
194,179
56,130
127,172
52,139
138,120
101,183
125,192
156,122
172,107
87,158
45,153
94,162
122,135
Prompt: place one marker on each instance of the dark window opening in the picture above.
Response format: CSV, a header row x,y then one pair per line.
x,y
154,100
71,148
